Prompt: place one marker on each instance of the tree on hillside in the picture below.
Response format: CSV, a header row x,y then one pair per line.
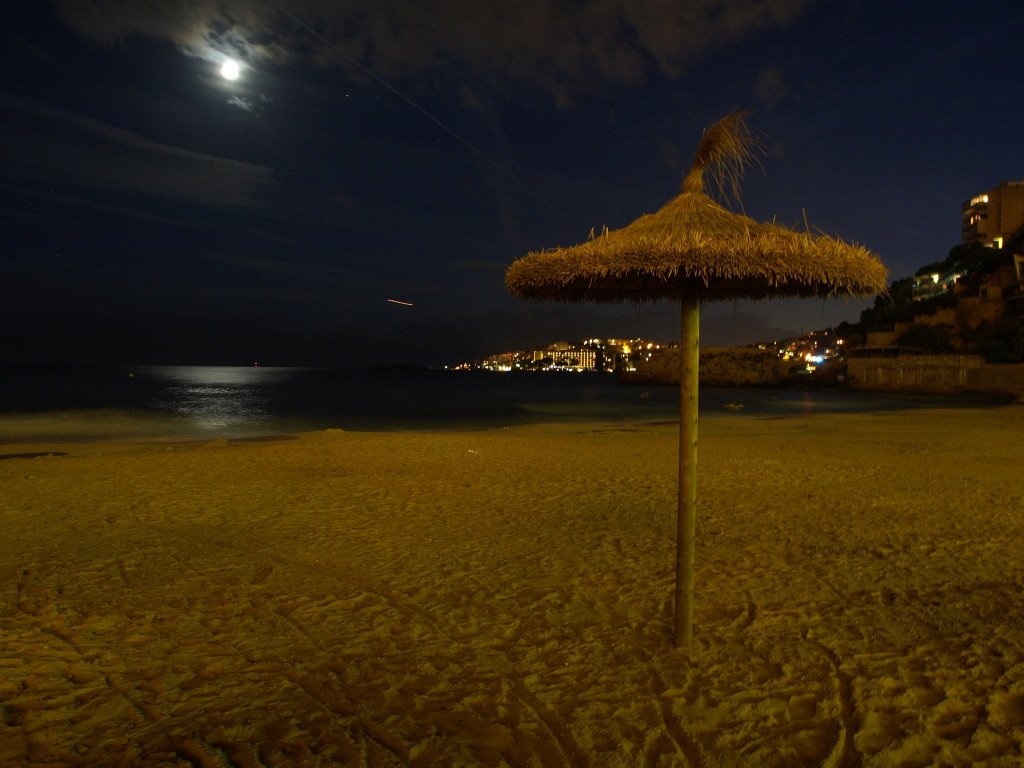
x,y
972,260
852,334
936,339
898,306
999,342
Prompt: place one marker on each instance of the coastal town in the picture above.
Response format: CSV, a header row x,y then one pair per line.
x,y
955,325
805,353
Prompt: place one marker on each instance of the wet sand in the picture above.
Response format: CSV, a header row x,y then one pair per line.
x,y
504,597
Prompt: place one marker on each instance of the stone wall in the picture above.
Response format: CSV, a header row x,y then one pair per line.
x,y
941,374
972,311
932,374
938,374
1002,379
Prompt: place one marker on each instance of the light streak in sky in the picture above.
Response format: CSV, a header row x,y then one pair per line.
x,y
402,303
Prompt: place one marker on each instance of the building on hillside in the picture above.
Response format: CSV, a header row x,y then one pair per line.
x,y
993,217
935,284
565,356
504,361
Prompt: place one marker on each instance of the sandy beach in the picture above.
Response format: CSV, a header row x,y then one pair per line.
x,y
504,597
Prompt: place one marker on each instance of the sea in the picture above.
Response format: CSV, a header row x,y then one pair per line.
x,y
185,402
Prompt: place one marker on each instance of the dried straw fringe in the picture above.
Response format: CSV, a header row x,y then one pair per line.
x,y
725,151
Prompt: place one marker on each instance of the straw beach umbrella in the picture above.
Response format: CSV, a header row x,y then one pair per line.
x,y
693,250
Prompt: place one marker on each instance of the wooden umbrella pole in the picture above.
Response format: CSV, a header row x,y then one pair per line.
x,y
686,524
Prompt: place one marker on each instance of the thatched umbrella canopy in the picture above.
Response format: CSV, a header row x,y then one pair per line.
x,y
694,250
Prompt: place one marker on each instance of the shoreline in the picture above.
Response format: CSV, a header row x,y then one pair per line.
x,y
131,425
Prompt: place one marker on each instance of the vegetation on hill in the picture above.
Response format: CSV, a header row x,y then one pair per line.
x,y
970,260
1001,340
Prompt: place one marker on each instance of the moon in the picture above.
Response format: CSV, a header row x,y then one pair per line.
x,y
229,70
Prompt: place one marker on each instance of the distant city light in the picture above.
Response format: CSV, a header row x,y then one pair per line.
x,y
809,351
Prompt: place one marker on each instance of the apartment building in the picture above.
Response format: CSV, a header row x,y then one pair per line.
x,y
993,217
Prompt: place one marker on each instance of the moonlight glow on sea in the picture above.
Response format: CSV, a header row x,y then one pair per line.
x,y
229,69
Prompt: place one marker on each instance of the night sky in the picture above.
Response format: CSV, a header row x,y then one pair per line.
x,y
156,212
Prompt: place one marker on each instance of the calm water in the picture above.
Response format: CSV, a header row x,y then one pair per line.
x,y
51,402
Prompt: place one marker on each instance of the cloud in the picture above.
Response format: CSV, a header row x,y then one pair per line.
x,y
57,146
563,47
244,104
771,88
